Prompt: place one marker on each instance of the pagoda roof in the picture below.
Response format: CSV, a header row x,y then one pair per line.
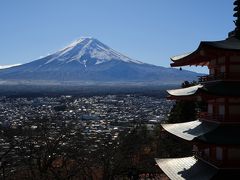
x,y
218,88
186,168
189,130
206,51
185,91
227,44
208,132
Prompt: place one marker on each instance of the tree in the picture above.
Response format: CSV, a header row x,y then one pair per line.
x,y
183,110
135,154
54,150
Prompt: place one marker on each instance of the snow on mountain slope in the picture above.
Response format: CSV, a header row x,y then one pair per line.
x,y
90,47
8,66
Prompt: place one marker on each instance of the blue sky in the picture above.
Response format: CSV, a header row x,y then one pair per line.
x,y
147,30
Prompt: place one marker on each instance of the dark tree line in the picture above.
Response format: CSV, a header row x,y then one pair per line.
x,y
182,111
58,150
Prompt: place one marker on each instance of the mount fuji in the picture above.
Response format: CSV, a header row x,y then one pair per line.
x,y
89,60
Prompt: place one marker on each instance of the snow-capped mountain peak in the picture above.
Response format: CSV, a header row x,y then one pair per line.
x,y
88,49
78,41
87,60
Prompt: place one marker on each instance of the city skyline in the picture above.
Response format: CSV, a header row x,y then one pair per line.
x,y
150,32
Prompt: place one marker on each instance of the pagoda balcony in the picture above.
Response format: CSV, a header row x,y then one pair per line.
x,y
233,118
211,160
211,117
211,77
220,76
219,163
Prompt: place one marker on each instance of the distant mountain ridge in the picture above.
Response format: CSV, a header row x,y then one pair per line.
x,y
89,60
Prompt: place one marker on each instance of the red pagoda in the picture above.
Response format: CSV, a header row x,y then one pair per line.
x,y
215,135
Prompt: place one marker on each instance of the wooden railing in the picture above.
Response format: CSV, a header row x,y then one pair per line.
x,y
211,117
232,118
212,77
220,76
224,163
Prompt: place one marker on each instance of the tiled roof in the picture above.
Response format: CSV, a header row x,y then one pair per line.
x,y
201,57
190,130
188,168
206,131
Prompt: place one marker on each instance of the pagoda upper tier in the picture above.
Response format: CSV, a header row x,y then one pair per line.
x,y
207,51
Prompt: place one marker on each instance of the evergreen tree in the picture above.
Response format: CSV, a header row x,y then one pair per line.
x,y
183,110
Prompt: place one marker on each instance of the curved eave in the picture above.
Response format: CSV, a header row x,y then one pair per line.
x,y
207,91
208,132
195,58
206,51
184,92
186,168
190,130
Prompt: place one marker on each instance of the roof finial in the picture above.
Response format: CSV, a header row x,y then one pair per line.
x,y
237,21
